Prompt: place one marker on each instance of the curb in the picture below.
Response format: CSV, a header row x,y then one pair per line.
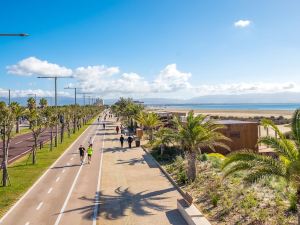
x,y
165,172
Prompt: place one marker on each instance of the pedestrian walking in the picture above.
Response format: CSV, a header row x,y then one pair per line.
x,y
81,153
122,141
98,119
103,125
90,153
90,141
129,140
117,129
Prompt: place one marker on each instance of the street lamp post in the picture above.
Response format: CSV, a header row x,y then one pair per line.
x,y
84,95
75,92
11,35
55,100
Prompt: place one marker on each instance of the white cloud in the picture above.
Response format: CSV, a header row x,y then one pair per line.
x,y
34,66
100,79
171,79
38,92
246,88
242,23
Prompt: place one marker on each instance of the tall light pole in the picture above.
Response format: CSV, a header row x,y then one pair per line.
x,y
84,95
9,97
75,92
55,100
11,35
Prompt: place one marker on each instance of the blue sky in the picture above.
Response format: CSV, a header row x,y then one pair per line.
x,y
152,48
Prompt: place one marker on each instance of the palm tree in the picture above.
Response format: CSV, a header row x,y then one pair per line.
x,y
196,133
258,167
163,137
7,121
149,121
38,122
18,112
51,116
31,104
43,103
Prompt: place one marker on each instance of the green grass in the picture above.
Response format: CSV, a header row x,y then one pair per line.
x,y
23,176
22,131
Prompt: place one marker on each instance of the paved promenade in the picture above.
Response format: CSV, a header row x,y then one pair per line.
x,y
133,189
120,186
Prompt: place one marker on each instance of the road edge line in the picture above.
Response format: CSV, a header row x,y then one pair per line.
x,y
57,221
40,178
97,197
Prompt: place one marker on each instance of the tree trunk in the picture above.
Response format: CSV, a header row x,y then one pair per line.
x,y
62,133
34,151
298,205
4,162
51,139
17,126
191,170
162,149
74,126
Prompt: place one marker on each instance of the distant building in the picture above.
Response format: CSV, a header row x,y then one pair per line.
x,y
243,135
99,102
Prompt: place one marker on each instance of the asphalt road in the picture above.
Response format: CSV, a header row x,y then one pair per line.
x,y
22,144
121,186
67,181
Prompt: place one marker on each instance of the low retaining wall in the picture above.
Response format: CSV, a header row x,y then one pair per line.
x,y
189,212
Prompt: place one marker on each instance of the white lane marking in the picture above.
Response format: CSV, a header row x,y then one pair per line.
x,y
18,142
23,153
57,179
69,193
39,206
49,191
63,171
29,138
96,206
41,177
27,223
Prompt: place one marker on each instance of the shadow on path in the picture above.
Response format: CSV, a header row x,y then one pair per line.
x,y
114,206
131,162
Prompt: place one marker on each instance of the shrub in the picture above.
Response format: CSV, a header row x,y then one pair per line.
x,y
293,202
203,157
215,198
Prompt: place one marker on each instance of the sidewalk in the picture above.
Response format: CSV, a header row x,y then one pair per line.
x,y
133,190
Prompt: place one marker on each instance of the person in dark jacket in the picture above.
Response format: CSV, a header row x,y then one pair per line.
x,y
129,140
122,141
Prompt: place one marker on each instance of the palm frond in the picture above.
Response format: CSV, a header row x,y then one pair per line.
x,y
296,126
283,147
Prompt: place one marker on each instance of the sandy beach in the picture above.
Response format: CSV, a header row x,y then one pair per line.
x,y
236,113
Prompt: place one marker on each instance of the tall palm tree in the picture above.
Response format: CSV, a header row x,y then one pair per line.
x,y
38,124
163,137
43,103
18,111
258,167
7,121
196,133
31,104
51,116
149,121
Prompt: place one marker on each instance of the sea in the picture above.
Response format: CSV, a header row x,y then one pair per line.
x,y
235,106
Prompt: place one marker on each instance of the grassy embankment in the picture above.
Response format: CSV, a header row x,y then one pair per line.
x,y
23,176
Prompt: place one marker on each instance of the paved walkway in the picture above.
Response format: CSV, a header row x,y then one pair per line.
x,y
120,186
133,189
